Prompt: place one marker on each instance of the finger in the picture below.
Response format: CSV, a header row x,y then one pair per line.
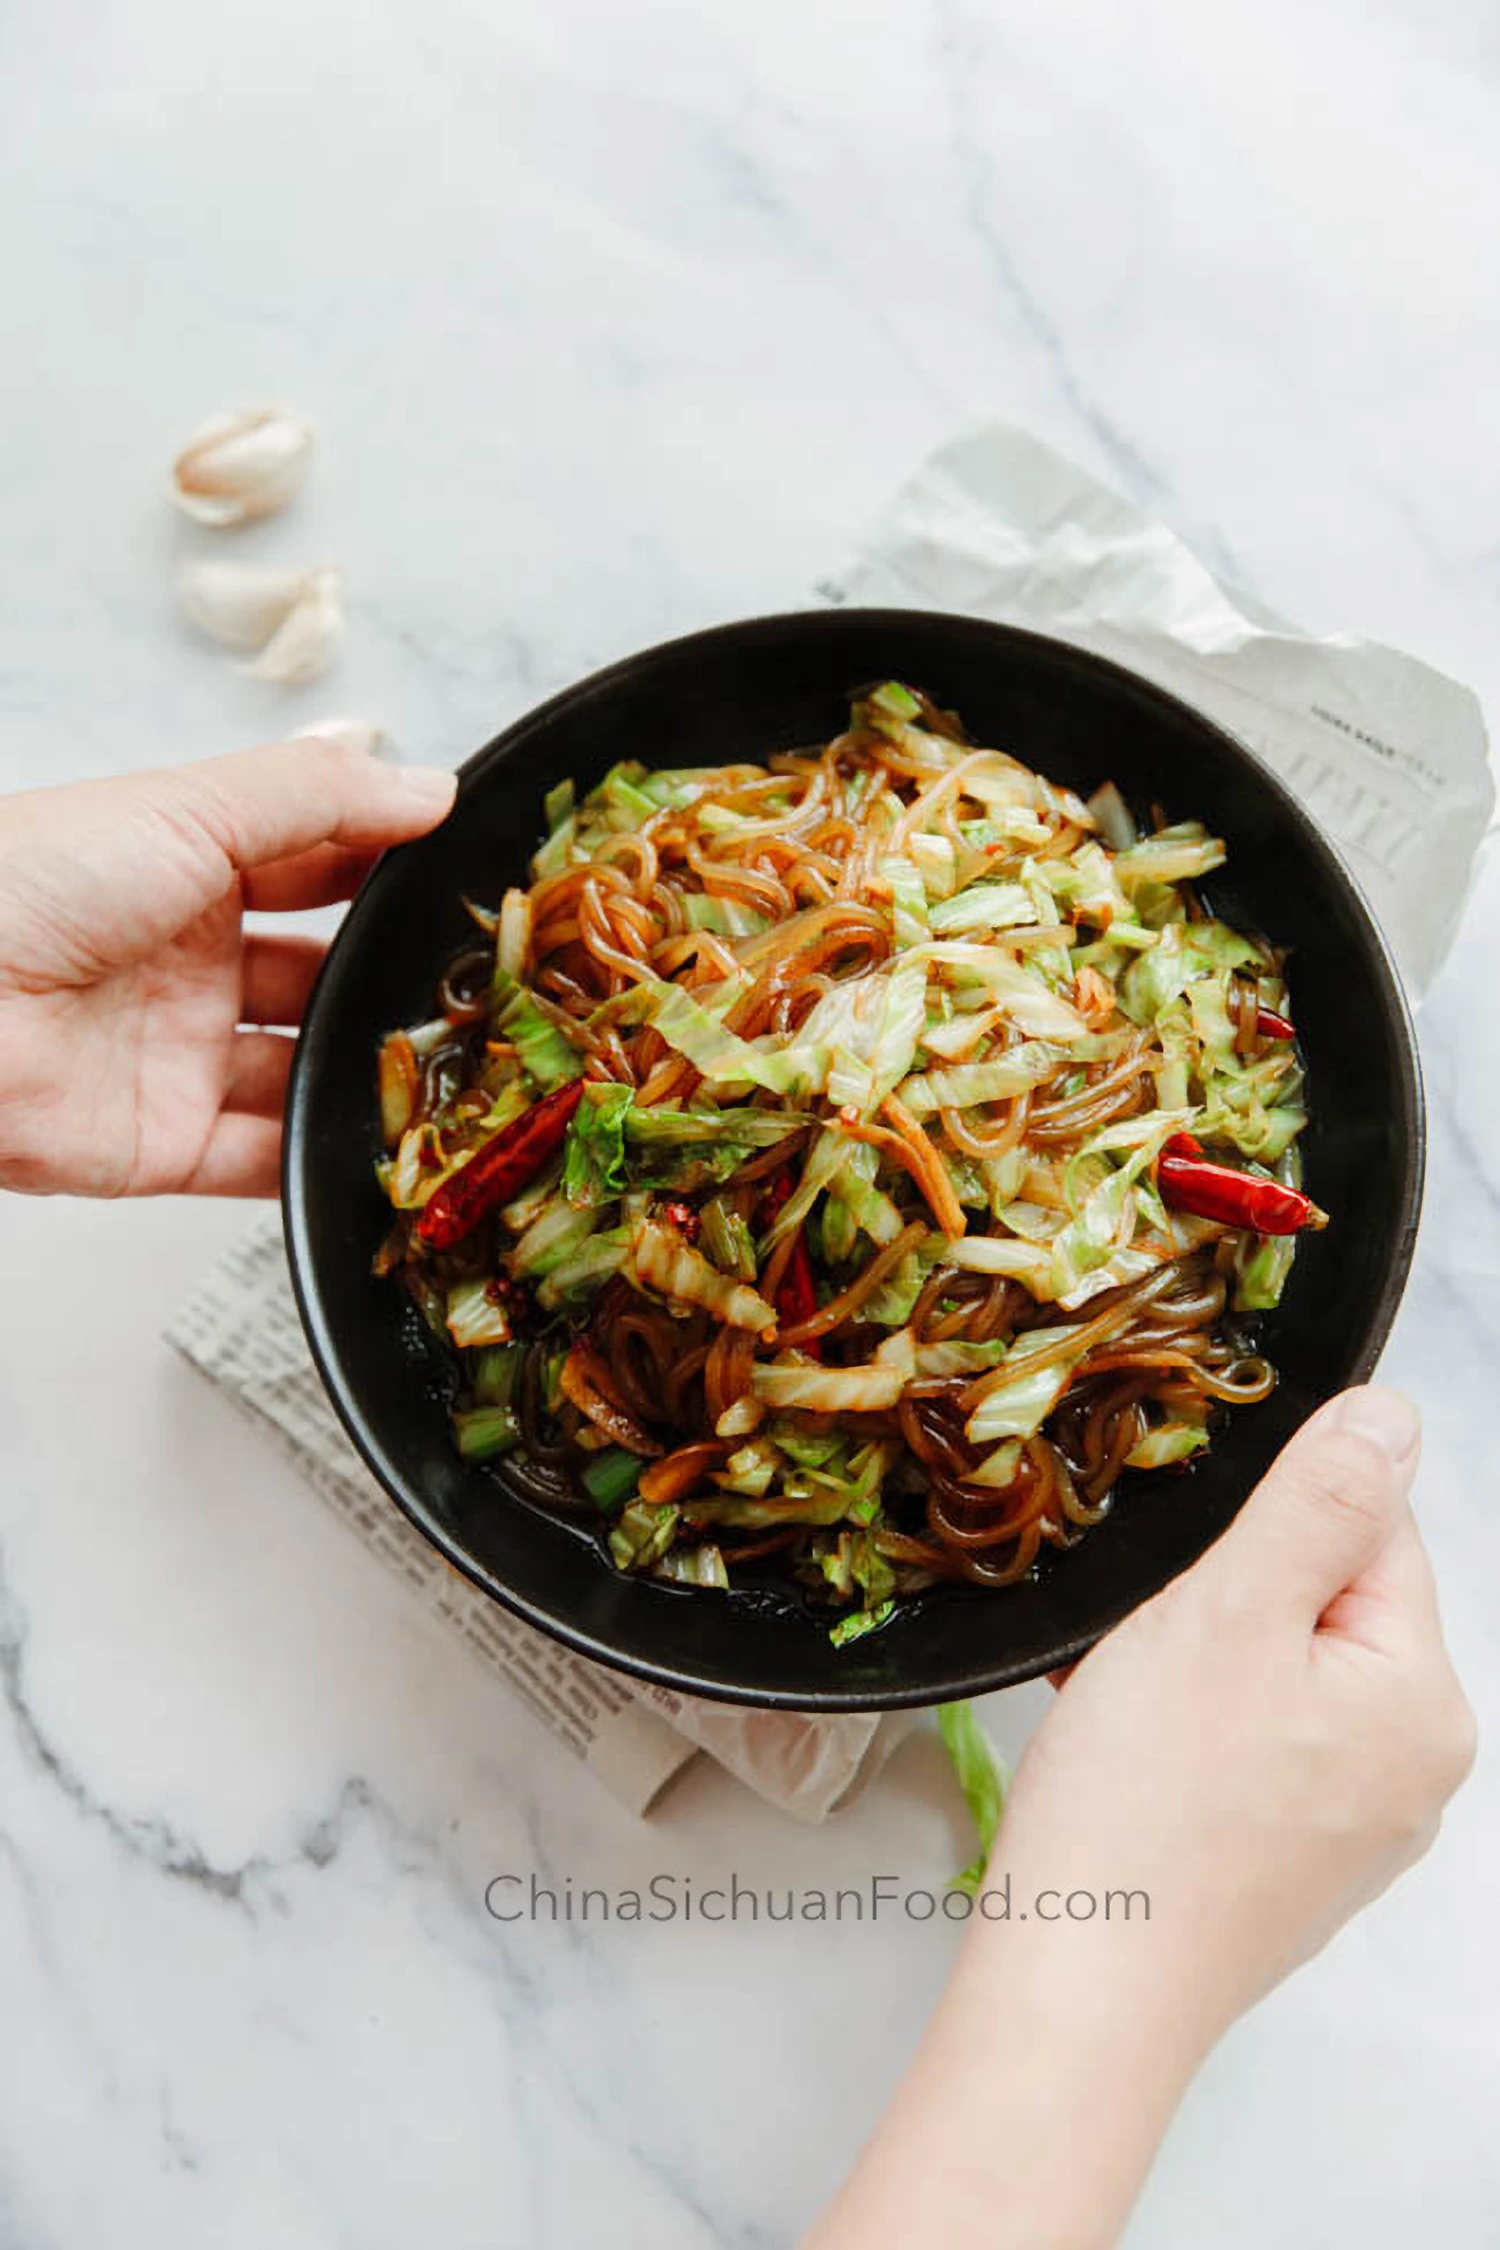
x,y
277,976
1328,1505
260,1063
242,1156
325,876
1393,1601
268,804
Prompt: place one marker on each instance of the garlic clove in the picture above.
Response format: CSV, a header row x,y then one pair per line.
x,y
241,464
304,641
292,618
239,605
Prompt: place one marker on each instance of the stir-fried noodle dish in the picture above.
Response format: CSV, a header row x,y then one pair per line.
x,y
847,1172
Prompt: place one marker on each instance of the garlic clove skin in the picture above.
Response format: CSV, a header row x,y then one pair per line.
x,y
303,643
294,619
241,464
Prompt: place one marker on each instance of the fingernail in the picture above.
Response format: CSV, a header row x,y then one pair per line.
x,y
1385,1418
429,785
350,734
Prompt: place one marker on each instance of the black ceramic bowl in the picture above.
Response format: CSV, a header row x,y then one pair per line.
x,y
740,692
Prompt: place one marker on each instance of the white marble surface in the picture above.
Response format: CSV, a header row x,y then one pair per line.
x,y
619,320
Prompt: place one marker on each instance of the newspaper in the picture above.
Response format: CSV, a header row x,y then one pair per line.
x,y
1388,754
240,1327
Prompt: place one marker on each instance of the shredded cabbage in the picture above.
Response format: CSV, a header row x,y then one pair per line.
x,y
661,1260
694,1566
742,1125
594,1159
824,1160
958,1357
581,1271
557,1231
1019,1397
546,1055
750,1469
909,915
1181,954
966,1084
473,1316
726,917
1168,1442
891,1304
1173,855
794,1381
851,973
858,1622
1262,1265
856,1205
983,1780
982,906
1022,993
642,1534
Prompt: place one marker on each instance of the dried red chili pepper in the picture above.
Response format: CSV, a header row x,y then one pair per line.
x,y
499,1170
683,1217
777,1192
1272,1026
796,1297
517,1299
1189,1181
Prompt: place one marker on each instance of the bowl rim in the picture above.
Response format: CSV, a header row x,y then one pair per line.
x,y
510,742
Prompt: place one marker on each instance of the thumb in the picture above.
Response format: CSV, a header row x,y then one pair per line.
x,y
1329,1504
286,797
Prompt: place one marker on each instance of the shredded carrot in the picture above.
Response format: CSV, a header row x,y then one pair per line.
x,y
878,1136
1093,996
911,1148
675,1475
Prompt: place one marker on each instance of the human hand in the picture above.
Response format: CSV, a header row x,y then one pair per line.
x,y
134,1005
1255,1753
1269,1742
